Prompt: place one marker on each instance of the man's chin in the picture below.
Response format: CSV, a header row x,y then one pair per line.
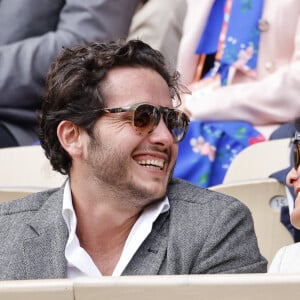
x,y
155,190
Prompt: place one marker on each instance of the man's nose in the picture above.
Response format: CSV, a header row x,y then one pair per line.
x,y
161,134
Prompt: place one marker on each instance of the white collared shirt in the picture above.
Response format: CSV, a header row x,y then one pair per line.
x,y
78,260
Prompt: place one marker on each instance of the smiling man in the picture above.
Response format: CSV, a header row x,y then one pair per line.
x,y
109,121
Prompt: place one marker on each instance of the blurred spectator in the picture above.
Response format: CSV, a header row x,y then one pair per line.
x,y
159,23
286,259
288,130
32,34
241,62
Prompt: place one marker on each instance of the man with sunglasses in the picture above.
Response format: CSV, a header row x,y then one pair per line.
x,y
109,121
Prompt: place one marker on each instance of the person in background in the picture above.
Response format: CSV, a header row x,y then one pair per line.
x,y
159,24
32,33
287,259
120,212
241,62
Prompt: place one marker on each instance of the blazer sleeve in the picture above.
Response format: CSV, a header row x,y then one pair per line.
x,y
24,64
231,244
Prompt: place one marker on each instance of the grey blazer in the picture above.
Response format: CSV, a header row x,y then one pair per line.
x,y
32,33
203,232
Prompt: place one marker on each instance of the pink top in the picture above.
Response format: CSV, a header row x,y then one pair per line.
x,y
271,99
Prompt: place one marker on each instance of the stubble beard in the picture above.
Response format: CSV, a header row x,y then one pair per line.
x,y
109,167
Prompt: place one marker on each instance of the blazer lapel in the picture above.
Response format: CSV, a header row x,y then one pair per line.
x,y
45,240
149,257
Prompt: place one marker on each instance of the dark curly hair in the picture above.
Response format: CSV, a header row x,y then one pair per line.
x,y
73,88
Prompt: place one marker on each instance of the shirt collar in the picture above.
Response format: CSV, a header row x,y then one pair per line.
x,y
82,264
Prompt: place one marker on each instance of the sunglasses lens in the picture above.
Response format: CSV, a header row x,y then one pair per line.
x,y
146,117
177,122
296,156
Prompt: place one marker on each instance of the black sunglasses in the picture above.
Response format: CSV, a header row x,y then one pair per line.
x,y
296,142
145,118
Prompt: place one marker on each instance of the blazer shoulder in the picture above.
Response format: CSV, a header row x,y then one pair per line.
x,y
32,202
184,196
181,190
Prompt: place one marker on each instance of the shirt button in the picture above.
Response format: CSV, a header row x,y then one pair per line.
x,y
263,25
270,66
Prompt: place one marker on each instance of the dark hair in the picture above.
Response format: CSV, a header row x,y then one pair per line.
x,y
73,90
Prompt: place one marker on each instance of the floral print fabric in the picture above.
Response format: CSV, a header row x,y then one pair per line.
x,y
209,147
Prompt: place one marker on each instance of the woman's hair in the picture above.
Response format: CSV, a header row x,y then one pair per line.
x,y
73,88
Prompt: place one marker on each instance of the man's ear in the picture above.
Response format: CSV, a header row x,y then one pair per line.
x,y
70,138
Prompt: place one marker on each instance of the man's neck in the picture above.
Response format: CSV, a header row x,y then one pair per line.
x,y
103,236
103,225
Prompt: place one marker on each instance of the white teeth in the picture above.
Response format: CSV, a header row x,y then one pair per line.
x,y
152,163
